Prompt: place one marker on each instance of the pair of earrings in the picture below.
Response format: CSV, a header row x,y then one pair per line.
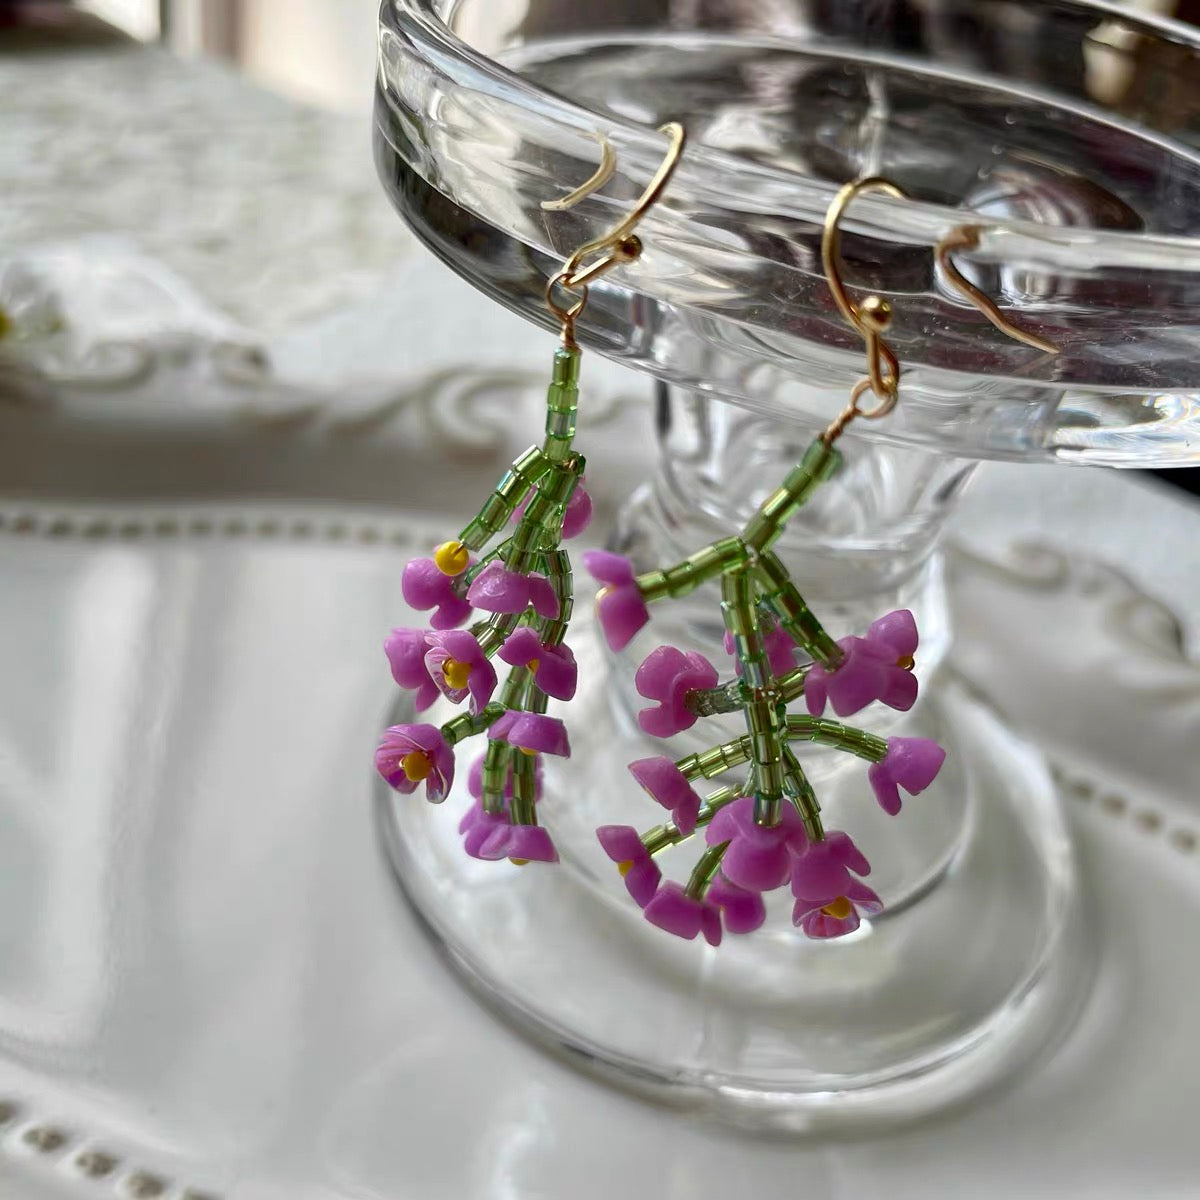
x,y
508,568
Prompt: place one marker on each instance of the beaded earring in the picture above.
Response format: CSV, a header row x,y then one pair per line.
x,y
523,581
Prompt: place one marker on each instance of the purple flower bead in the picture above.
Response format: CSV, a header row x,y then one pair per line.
x,y
554,667
458,666
475,780
409,754
666,783
672,909
532,731
619,603
667,675
405,650
911,764
641,874
577,517
759,858
781,651
477,826
425,586
840,916
875,667
521,843
742,911
499,590
826,870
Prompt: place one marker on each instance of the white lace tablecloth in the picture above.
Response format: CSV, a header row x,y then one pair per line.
x,y
208,984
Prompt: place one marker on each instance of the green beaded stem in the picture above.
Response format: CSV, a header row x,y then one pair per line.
x,y
520,479
463,726
716,760
541,522
794,615
557,566
497,759
562,401
790,687
709,702
499,755
705,870
802,796
762,718
820,463
496,553
725,555
841,737
524,770
661,836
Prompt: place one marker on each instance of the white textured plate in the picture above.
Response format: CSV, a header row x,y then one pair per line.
x,y
208,985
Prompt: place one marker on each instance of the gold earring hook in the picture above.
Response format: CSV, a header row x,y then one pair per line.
x,y
619,245
966,237
872,317
604,172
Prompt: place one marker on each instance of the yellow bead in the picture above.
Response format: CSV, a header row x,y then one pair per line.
x,y
452,558
625,867
840,909
417,765
456,673
906,663
519,862
526,750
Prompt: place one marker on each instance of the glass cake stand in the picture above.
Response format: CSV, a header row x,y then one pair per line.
x,y
1070,133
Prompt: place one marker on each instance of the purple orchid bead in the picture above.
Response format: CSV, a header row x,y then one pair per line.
x,y
499,590
425,586
823,870
667,675
477,826
409,754
619,603
911,764
759,858
405,650
742,911
875,667
475,780
577,517
554,667
672,909
663,781
781,651
839,917
521,843
641,874
533,732
458,666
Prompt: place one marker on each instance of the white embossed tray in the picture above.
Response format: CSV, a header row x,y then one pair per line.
x,y
208,985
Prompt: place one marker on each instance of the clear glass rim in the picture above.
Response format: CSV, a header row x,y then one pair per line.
x,y
1003,241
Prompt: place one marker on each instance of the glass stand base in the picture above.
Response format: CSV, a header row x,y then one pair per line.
x,y
977,963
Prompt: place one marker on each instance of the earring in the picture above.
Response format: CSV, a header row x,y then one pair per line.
x,y
766,831
521,587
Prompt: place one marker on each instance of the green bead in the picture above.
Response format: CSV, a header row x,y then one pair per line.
x,y
820,462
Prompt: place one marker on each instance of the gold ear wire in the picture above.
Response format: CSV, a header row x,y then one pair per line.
x,y
604,172
619,245
966,237
874,315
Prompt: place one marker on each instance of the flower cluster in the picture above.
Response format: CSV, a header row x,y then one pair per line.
x,y
519,594
765,833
